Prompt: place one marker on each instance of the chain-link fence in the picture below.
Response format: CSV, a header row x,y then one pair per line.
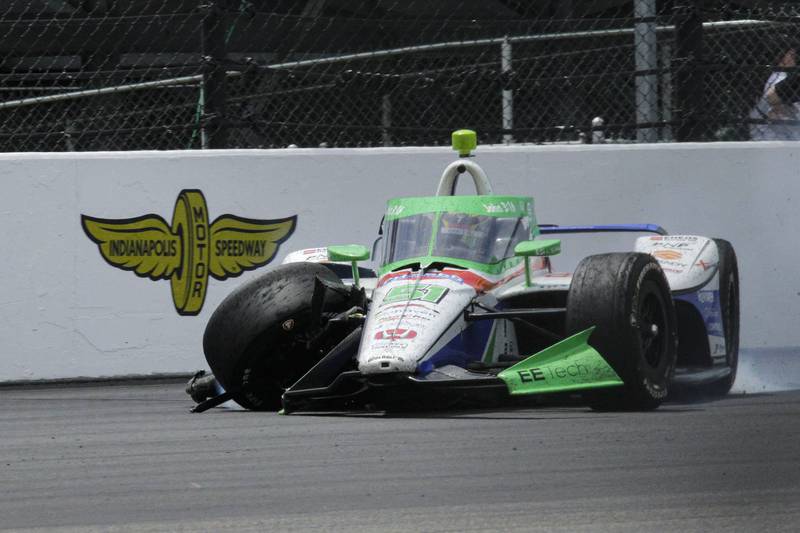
x,y
188,74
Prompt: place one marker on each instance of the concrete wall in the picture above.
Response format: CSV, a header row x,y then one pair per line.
x,y
66,312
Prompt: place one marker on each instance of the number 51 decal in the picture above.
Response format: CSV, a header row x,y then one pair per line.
x,y
424,293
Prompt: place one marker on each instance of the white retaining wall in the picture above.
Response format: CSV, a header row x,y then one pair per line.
x,y
65,312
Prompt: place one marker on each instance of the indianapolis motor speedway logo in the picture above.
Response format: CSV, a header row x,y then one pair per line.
x,y
190,250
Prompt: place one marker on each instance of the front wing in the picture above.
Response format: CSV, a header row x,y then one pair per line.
x,y
570,365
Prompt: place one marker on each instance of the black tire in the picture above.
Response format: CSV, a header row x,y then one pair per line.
x,y
623,295
254,341
728,272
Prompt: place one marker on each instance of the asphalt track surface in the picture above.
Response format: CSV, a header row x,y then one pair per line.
x,y
120,458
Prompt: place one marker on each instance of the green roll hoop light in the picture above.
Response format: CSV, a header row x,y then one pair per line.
x,y
464,142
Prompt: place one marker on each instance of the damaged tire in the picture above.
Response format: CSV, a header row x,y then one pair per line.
x,y
262,337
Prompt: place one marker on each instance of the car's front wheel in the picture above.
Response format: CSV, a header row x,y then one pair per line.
x,y
627,297
262,337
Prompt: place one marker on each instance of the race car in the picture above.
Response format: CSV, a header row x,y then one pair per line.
x,y
465,305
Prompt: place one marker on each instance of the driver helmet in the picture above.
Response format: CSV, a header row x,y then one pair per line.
x,y
465,232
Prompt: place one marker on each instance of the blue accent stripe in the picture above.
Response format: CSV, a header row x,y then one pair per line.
x,y
464,348
707,302
554,229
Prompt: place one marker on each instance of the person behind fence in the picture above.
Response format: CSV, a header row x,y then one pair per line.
x,y
770,115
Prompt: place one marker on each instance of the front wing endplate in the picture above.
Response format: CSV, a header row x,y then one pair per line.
x,y
569,365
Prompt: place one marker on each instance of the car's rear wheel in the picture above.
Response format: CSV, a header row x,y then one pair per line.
x,y
262,337
627,298
728,272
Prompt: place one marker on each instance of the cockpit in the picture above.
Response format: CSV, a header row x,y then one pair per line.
x,y
480,230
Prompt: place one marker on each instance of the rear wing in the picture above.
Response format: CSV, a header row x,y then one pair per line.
x,y
554,229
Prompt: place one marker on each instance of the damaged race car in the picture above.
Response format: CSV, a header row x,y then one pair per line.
x,y
465,305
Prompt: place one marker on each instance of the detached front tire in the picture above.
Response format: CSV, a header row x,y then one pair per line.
x,y
627,297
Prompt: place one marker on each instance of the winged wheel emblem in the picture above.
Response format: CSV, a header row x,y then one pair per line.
x,y
190,249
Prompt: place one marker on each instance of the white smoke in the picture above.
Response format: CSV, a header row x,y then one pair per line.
x,y
768,370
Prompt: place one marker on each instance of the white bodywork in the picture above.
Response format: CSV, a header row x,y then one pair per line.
x,y
411,315
691,263
320,255
688,261
309,255
448,179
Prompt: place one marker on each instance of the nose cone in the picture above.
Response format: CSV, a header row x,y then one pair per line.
x,y
409,314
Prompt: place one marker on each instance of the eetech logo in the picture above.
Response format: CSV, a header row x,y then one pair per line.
x,y
190,250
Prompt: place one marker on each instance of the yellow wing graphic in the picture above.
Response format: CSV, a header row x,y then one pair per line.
x,y
144,244
239,244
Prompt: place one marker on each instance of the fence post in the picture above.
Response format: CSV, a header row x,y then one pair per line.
x,y
386,119
646,60
689,72
507,94
666,92
214,88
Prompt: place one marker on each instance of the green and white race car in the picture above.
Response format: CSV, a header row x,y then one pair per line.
x,y
465,305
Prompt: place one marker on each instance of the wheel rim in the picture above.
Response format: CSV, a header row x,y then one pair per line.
x,y
653,329
273,368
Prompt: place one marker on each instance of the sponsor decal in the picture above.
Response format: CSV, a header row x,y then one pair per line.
x,y
475,281
534,374
552,372
706,297
395,210
575,370
395,334
190,249
414,307
412,313
423,293
670,255
705,266
504,207
674,238
428,276
672,266
385,357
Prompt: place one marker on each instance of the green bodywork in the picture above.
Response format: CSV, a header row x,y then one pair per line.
x,y
481,205
569,365
541,248
349,252
486,205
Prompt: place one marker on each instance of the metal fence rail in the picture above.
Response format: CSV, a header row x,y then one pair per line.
x,y
185,74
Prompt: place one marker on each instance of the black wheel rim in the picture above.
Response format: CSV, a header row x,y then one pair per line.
x,y
653,329
275,367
